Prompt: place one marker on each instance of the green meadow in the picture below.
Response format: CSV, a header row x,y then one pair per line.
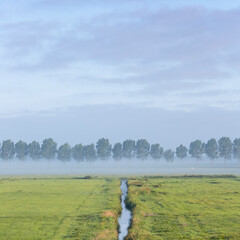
x,y
185,208
51,208
55,208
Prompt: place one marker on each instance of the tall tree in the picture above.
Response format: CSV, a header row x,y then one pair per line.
x,y
196,149
7,150
103,149
225,147
181,151
236,148
117,151
204,145
156,151
21,150
142,149
34,150
78,153
89,152
169,155
64,152
128,148
211,148
48,148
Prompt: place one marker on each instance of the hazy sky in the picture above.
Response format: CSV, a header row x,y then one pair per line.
x,y
79,70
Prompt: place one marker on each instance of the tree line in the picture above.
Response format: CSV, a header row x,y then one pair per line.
x,y
128,149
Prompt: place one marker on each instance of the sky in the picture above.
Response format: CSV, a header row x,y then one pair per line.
x,y
79,70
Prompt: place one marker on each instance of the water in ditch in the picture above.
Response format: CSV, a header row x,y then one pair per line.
x,y
125,218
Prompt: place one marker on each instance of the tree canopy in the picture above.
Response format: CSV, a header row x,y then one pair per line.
x,y
211,148
117,151
181,151
21,149
34,150
225,147
128,148
140,149
103,149
169,155
196,149
7,150
64,152
48,148
156,151
77,152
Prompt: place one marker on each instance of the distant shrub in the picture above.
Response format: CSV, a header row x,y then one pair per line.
x,y
88,177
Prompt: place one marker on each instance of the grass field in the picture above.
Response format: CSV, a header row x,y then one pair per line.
x,y
185,208
168,208
52,208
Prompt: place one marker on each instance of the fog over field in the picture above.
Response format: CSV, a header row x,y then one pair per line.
x,y
123,167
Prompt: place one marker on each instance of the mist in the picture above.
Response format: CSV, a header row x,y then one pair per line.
x,y
124,167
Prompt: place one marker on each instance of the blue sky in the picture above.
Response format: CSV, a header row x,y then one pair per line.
x,y
64,61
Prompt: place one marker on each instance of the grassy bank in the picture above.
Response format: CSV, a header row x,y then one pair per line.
x,y
35,208
204,207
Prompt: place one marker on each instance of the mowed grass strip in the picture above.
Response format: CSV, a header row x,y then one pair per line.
x,y
185,208
32,209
